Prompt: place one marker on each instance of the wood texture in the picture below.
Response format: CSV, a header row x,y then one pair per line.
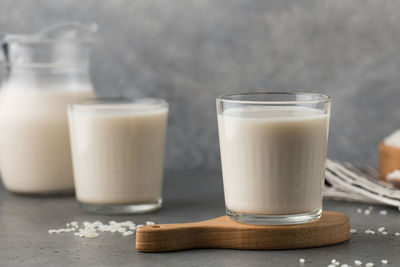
x,y
222,232
389,160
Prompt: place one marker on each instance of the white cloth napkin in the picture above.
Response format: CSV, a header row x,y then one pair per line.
x,y
351,183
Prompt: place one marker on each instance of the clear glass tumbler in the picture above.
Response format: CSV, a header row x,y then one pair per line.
x,y
273,152
118,153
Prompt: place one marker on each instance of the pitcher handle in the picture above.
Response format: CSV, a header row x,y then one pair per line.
x,y
4,56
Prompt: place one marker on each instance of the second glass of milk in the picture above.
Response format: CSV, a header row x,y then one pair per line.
x,y
273,152
118,153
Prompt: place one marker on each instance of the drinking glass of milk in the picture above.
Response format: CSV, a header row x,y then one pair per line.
x,y
273,151
118,153
46,71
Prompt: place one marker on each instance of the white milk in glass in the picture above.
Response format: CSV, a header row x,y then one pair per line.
x,y
273,158
118,152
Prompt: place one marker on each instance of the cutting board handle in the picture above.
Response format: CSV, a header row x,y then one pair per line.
x,y
222,232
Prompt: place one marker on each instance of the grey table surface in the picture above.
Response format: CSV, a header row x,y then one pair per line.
x,y
188,196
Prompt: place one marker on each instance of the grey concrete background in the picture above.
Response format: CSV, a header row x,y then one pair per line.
x,y
189,52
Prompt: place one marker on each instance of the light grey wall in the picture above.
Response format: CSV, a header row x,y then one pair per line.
x,y
189,52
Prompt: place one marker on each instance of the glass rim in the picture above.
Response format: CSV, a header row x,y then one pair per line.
x,y
48,41
45,66
119,102
40,38
318,98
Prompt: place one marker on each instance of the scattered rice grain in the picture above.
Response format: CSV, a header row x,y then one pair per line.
x,y
92,229
127,233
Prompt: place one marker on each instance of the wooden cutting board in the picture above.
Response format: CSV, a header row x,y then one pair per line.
x,y
222,232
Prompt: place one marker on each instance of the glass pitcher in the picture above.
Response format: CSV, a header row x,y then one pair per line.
x,y
44,72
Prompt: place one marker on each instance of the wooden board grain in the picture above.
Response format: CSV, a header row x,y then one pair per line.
x,y
222,232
